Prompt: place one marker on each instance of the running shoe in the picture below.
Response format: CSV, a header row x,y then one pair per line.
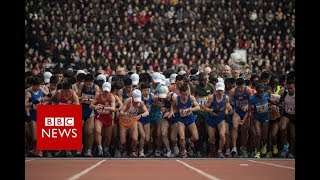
x,y
117,153
220,154
291,156
275,150
234,152
268,155
68,154
198,154
183,154
244,152
134,154
141,154
190,152
176,150
228,153
40,154
258,155
190,143
157,153
264,149
167,153
107,153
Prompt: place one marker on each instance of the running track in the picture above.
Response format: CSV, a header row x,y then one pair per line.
x,y
158,169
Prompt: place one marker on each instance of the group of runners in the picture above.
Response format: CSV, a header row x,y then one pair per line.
x,y
171,114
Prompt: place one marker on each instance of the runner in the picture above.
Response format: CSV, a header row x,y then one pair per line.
x,y
129,120
65,96
216,106
240,95
88,91
115,131
144,122
155,117
259,102
183,103
202,92
288,121
33,97
104,104
168,124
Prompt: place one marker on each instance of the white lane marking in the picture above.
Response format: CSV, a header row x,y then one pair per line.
x,y
276,165
244,165
28,160
199,171
78,175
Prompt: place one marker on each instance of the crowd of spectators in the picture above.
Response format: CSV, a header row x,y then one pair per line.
x,y
144,36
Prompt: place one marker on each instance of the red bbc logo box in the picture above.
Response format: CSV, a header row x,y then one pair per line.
x,y
59,127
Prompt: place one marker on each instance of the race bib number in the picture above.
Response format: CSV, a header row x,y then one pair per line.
x,y
182,114
131,113
241,104
148,107
290,109
102,111
261,108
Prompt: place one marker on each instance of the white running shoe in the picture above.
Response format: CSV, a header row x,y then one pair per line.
x,y
176,150
168,153
141,154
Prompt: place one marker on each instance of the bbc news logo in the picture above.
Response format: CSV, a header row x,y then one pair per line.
x,y
59,127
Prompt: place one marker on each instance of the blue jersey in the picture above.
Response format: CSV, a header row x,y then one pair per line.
x,y
187,119
157,89
167,103
124,94
183,106
218,108
86,111
240,101
260,106
34,97
89,94
148,102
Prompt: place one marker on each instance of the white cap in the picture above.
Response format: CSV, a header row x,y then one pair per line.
x,y
162,77
81,71
47,75
220,80
135,79
167,82
102,77
136,95
156,77
220,86
173,77
181,72
163,91
106,86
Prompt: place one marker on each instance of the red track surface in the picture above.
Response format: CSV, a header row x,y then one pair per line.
x,y
116,169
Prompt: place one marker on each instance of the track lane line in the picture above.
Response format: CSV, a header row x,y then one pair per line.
x,y
199,171
276,165
78,175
